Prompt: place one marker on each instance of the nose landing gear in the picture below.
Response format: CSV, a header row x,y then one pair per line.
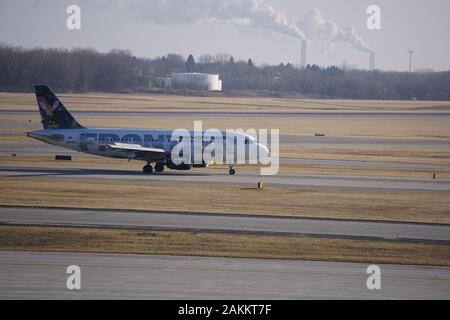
x,y
232,171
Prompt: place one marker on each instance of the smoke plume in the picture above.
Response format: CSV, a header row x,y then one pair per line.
x,y
243,14
316,27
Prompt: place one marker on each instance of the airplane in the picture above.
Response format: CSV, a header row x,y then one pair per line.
x,y
153,146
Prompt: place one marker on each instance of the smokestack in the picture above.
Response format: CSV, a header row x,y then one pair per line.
x,y
372,61
410,60
304,50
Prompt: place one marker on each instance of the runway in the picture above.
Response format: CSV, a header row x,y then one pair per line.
x,y
35,147
28,275
208,176
198,222
40,149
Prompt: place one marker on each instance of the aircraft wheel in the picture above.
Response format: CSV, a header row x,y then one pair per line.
x,y
159,167
147,169
232,171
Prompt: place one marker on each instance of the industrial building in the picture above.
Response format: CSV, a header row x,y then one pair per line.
x,y
197,81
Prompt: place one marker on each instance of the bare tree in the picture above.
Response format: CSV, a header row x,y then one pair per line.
x,y
82,69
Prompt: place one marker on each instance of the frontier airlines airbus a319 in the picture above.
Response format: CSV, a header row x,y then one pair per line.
x,y
174,149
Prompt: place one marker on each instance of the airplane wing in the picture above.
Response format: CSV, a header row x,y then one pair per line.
x,y
138,151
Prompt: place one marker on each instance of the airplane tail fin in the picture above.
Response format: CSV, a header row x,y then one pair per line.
x,y
53,113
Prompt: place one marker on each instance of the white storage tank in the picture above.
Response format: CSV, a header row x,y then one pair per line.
x,y
197,81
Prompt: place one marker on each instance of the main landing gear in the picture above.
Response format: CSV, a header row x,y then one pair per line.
x,y
232,171
159,167
147,168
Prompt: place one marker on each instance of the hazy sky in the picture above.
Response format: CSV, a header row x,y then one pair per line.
x,y
157,27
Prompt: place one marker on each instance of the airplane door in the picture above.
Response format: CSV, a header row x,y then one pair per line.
x,y
87,142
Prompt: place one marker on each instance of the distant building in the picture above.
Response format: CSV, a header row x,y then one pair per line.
x,y
196,81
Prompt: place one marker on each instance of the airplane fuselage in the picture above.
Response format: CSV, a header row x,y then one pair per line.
x,y
98,141
178,149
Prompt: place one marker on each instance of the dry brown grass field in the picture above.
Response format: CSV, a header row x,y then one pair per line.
x,y
355,127
143,195
139,102
410,154
219,245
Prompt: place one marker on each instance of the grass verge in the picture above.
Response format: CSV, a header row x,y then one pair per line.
x,y
93,240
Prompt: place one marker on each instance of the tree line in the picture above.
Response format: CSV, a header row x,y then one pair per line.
x,y
84,69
